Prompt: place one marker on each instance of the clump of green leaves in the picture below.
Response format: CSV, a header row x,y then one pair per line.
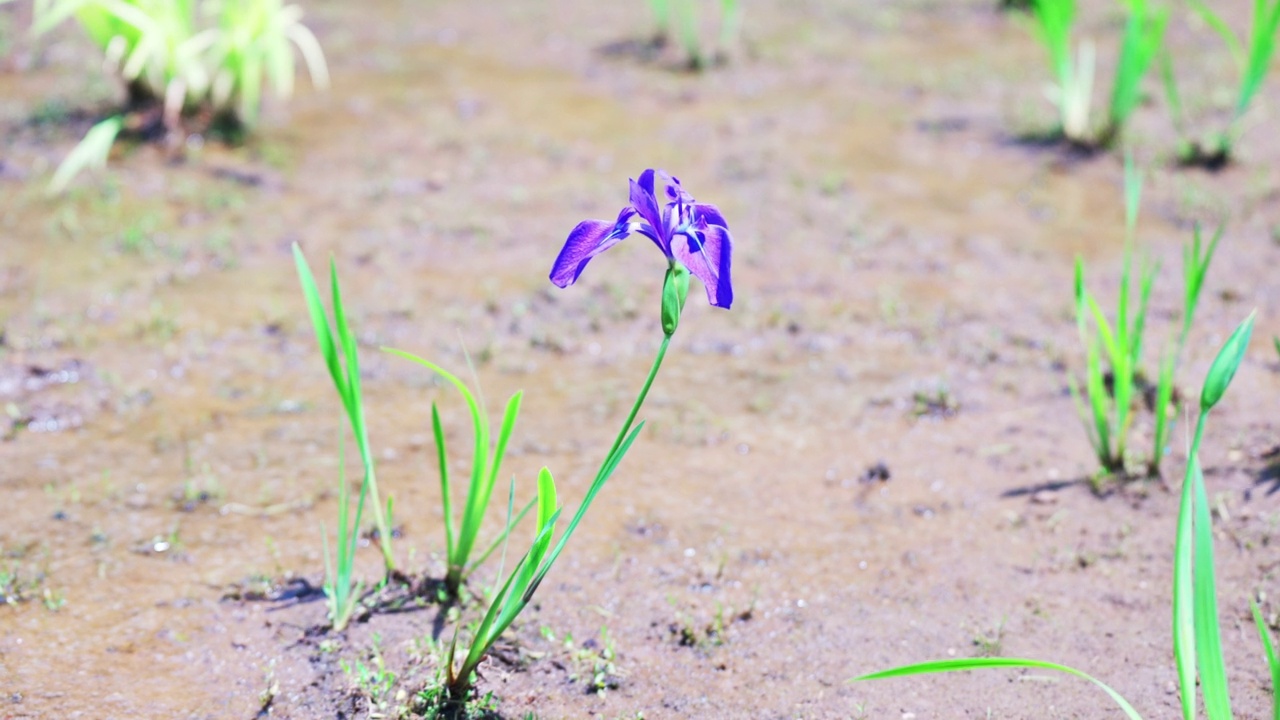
x,y
1074,68
1197,637
338,348
184,61
679,17
1215,150
1113,378
486,461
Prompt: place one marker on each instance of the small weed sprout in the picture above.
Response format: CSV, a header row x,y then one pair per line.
x,y
1216,150
1114,381
1197,640
374,680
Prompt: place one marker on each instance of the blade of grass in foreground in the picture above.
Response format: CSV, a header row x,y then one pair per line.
x,y
1213,671
1273,663
942,666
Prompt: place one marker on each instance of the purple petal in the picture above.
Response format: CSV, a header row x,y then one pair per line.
x,y
709,263
710,213
587,240
644,202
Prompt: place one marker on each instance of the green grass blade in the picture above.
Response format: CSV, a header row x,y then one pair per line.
x,y
1261,48
548,501
487,631
1164,398
324,334
1088,419
942,666
1214,21
1184,626
688,20
1273,663
1054,20
1140,317
502,537
500,449
1144,32
1213,672
1171,94
473,512
90,153
445,499
1194,268
730,23
1100,405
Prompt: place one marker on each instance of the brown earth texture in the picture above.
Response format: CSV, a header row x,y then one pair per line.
x,y
871,459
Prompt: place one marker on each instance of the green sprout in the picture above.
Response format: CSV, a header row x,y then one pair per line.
x,y
460,541
1216,150
1106,404
1073,92
340,590
681,14
346,380
1197,637
173,67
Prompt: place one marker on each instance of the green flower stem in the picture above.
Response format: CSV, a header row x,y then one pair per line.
x,y
635,409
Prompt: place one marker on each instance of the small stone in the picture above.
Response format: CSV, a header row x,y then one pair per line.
x,y
1044,497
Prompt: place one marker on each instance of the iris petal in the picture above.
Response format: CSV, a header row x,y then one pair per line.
x,y
646,204
710,263
587,240
710,213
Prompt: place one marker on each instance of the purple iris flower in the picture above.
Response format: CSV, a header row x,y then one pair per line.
x,y
693,233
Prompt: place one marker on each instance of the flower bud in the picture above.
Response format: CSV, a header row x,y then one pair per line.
x,y
675,289
1225,365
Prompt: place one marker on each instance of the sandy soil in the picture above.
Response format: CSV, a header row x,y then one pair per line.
x,y
894,243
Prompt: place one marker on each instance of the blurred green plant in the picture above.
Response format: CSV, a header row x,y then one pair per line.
x,y
1197,640
201,62
341,358
1107,403
1216,149
1054,22
680,17
461,540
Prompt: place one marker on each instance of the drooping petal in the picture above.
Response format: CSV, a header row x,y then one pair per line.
x,y
707,251
587,240
646,205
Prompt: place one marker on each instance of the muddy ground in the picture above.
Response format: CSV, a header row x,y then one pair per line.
x,y
903,277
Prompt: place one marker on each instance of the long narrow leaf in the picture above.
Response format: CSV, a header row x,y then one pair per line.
x,y
1273,663
942,666
1213,672
445,500
90,153
1184,626
502,538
